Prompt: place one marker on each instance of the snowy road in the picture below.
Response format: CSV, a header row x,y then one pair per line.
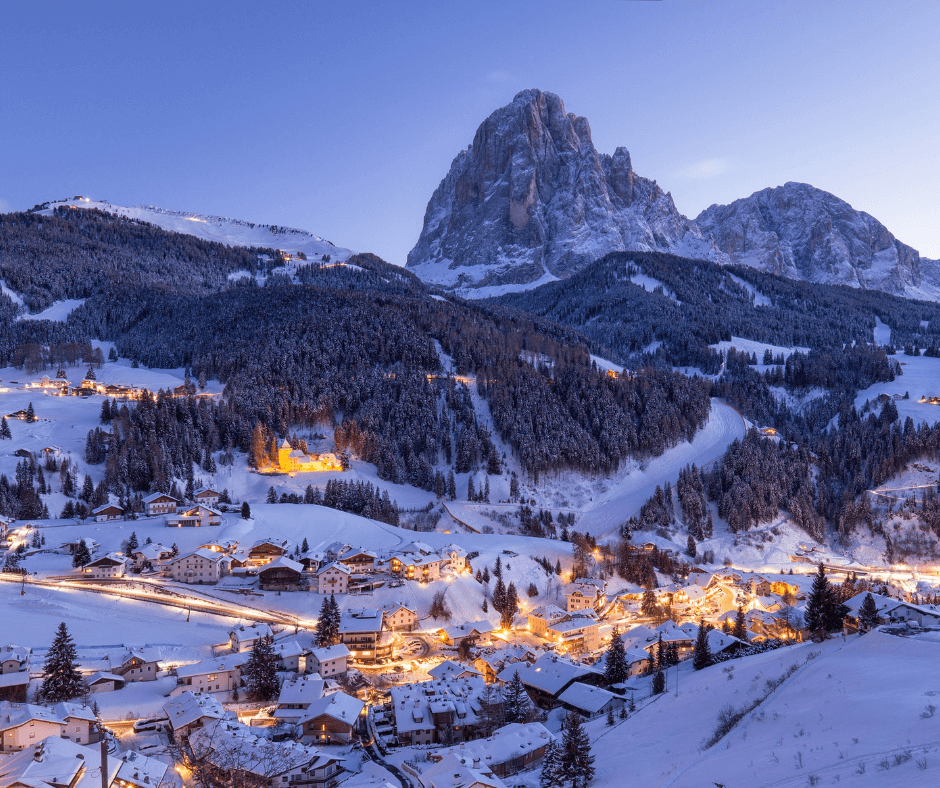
x,y
723,426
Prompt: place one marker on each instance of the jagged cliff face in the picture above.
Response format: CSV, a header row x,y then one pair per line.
x,y
532,200
802,232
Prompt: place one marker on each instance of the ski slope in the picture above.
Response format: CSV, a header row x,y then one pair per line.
x,y
232,232
723,426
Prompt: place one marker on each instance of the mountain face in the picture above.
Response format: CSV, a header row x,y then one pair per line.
x,y
802,232
233,232
531,200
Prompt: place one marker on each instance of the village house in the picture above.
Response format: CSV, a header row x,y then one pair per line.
x,y
109,511
243,637
296,696
288,654
151,554
541,618
292,460
507,750
14,659
332,719
206,496
196,568
221,674
477,633
108,567
160,503
490,665
72,547
417,566
281,574
22,725
359,560
575,634
454,772
448,669
589,701
399,618
549,676
333,578
438,711
361,632
136,665
194,517
14,674
190,711
100,681
328,661
455,557
585,594
266,550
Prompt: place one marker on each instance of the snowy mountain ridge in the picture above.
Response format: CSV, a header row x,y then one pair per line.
x,y
233,232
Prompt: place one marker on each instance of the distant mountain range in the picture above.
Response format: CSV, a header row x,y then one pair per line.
x,y
531,200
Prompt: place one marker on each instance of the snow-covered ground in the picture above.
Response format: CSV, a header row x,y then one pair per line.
x,y
850,716
752,346
233,232
882,334
59,311
759,298
920,376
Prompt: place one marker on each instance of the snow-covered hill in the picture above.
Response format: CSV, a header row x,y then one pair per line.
x,y
233,232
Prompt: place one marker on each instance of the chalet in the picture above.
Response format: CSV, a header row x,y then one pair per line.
x,y
475,634
449,669
361,632
332,719
237,756
160,503
508,750
490,665
151,554
287,654
455,557
440,711
22,725
454,772
281,574
107,512
336,550
108,567
575,634
333,578
541,618
893,610
222,674
720,643
190,711
21,415
399,618
136,665
645,638
549,676
359,560
243,638
72,547
206,496
194,517
589,701
196,568
266,550
104,682
295,698
14,674
14,659
291,460
328,661
586,594
417,566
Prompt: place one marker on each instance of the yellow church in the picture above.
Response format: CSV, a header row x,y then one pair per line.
x,y
295,461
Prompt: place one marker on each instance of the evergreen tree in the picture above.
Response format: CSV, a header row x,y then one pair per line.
x,y
30,414
499,595
835,610
690,548
5,429
451,485
616,670
323,631
819,600
60,677
740,625
471,493
659,683
702,657
305,547
514,487
515,700
486,490
660,653
246,511
867,614
510,606
88,489
726,626
272,496
498,568
551,775
577,763
261,670
648,605
82,555
610,716
132,543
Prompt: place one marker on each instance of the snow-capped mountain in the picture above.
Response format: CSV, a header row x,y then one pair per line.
x,y
802,232
233,232
531,200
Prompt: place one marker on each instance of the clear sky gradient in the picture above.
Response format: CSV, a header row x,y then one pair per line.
x,y
342,118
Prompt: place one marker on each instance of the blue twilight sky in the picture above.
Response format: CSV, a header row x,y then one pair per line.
x,y
342,118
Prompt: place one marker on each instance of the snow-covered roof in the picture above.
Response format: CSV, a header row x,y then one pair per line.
x,y
304,691
586,698
282,562
158,496
94,678
204,490
449,668
506,743
334,565
226,742
53,762
251,631
718,641
326,653
201,552
188,707
412,702
215,665
451,772
339,706
638,637
109,559
549,673
106,507
364,620
288,648
19,653
416,547
548,613
138,769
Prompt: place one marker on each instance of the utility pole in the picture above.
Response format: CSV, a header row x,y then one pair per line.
x,y
23,584
104,758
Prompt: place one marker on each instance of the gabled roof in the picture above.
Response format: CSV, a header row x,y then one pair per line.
x,y
718,641
305,690
251,631
334,565
201,552
106,507
111,559
153,497
587,698
94,678
327,653
188,707
549,673
282,562
215,665
339,706
203,490
450,668
366,620
548,613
